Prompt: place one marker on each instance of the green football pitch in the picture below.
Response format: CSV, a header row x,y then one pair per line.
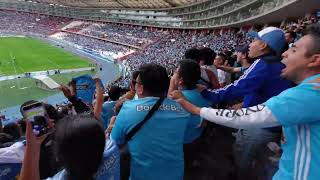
x,y
15,92
23,54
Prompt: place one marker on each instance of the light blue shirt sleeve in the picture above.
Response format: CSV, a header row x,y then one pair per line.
x,y
298,105
59,176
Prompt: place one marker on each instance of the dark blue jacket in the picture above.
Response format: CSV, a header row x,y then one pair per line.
x,y
260,82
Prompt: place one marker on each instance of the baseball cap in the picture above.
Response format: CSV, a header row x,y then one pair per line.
x,y
273,36
243,49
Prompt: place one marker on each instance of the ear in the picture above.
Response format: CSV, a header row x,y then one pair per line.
x,y
263,45
180,81
315,61
139,89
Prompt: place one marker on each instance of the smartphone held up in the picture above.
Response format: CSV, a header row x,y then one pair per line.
x,y
36,114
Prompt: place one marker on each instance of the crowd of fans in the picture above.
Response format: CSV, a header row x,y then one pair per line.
x,y
94,44
30,23
180,114
136,36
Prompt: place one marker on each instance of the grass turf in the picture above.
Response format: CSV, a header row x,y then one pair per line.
x,y
15,92
23,54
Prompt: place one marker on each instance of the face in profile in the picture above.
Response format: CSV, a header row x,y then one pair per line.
x,y
218,61
255,48
296,59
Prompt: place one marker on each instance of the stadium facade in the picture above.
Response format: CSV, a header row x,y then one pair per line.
x,y
209,14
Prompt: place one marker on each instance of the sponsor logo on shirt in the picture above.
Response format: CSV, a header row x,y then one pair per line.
x,y
163,107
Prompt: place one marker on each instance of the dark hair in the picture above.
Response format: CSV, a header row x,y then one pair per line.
x,y
114,93
154,79
193,54
12,129
190,73
52,112
134,76
207,55
313,31
79,144
223,56
23,125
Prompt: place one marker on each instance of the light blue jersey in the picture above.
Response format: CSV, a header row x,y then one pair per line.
x,y
157,148
298,111
194,130
107,112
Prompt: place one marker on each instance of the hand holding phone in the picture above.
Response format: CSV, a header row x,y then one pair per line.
x,y
36,114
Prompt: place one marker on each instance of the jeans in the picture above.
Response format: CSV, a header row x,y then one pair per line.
x,y
250,152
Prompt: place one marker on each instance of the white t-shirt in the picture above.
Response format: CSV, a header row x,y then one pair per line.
x,y
224,77
12,154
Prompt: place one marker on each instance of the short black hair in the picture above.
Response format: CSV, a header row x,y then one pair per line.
x,y
193,53
190,73
12,129
207,55
313,31
134,76
223,56
52,112
114,93
155,79
79,143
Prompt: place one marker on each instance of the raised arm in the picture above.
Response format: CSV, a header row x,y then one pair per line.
x,y
30,165
99,100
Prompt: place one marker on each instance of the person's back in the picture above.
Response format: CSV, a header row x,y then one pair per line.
x,y
157,147
156,150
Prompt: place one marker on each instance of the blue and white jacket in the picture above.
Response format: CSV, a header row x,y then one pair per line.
x,y
260,82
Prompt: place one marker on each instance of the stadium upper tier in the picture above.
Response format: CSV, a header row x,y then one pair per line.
x,y
146,4
198,14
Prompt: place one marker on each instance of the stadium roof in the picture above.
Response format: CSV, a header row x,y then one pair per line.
x,y
134,4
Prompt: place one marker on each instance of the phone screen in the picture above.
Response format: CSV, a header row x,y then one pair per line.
x,y
37,115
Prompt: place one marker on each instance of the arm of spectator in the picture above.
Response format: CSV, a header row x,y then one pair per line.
x,y
259,116
178,96
230,69
99,100
30,165
119,129
248,83
213,79
173,83
71,95
111,124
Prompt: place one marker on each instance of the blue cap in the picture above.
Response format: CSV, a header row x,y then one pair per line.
x,y
274,37
243,49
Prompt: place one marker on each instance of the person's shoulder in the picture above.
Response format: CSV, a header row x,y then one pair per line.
x,y
108,104
62,175
170,105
